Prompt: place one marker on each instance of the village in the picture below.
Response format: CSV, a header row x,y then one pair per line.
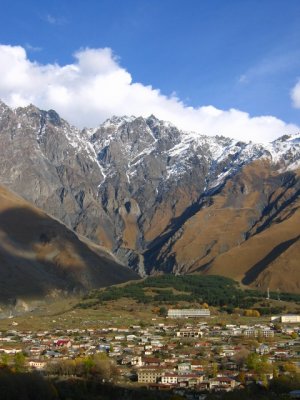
x,y
188,352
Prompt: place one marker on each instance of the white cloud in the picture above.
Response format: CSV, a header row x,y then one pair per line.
x,y
295,94
31,48
52,20
95,87
272,64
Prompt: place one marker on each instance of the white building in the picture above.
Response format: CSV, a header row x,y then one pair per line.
x,y
290,319
183,367
149,375
186,333
188,313
169,379
37,364
252,332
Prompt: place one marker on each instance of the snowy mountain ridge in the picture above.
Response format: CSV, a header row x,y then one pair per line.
x,y
132,183
283,152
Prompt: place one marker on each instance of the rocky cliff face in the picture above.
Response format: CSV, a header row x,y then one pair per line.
x,y
145,189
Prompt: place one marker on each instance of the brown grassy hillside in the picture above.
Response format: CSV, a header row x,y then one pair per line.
x,y
270,258
249,231
39,256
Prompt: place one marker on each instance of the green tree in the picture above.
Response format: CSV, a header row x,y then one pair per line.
x,y
275,372
253,361
163,312
214,369
87,364
19,362
4,359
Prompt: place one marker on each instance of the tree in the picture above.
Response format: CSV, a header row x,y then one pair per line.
x,y
214,369
264,380
19,362
241,377
253,361
240,357
87,365
294,335
290,367
285,383
68,367
259,364
104,368
163,312
251,313
4,359
275,372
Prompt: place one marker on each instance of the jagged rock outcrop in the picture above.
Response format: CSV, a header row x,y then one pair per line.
x,y
161,199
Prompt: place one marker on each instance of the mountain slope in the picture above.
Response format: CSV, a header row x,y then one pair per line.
x,y
40,257
249,231
159,198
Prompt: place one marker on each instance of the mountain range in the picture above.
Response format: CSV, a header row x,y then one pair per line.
x,y
158,199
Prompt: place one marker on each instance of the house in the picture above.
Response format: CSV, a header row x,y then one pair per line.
x,y
36,350
183,367
131,337
169,379
62,343
190,379
37,364
222,382
263,349
149,375
52,354
151,361
10,350
192,333
196,365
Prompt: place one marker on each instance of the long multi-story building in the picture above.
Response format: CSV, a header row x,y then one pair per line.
x,y
258,332
149,374
287,318
188,313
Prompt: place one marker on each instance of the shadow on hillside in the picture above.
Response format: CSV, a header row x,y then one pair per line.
x,y
72,267
173,227
259,267
33,386
280,203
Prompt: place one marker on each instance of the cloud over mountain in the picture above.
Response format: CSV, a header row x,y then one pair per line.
x,y
295,94
95,86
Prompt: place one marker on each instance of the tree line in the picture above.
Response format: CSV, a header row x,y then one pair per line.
x,y
216,291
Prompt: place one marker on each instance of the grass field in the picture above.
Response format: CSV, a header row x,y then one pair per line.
x,y
124,312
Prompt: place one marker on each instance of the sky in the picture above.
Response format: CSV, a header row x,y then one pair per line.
x,y
229,67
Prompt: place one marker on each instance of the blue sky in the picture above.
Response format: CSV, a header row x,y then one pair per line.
x,y
221,53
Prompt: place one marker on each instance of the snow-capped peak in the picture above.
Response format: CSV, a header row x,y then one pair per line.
x,y
117,121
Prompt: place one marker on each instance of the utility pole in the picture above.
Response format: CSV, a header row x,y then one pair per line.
x,y
278,294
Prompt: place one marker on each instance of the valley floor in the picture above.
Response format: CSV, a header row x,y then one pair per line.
x,y
125,350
